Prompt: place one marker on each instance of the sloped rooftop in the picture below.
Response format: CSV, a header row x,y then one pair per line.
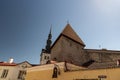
x,y
98,65
69,32
70,67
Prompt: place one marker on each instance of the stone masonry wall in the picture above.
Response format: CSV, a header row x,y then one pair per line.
x,y
104,57
67,50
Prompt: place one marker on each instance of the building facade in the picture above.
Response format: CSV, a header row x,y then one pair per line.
x,y
71,72
70,47
12,71
72,61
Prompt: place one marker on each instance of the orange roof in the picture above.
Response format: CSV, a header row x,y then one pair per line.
x,y
69,32
7,64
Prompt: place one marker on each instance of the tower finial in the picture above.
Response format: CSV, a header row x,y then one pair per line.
x,y
50,29
50,34
67,21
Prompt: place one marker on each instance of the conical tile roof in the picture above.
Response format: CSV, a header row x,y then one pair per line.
x,y
69,32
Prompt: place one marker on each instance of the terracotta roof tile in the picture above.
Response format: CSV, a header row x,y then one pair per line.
x,y
7,64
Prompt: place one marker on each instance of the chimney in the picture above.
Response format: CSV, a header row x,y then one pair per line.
x,y
11,60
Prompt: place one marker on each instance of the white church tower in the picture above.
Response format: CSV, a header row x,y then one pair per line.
x,y
45,54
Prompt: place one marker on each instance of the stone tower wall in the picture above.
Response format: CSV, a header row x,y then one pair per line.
x,y
67,50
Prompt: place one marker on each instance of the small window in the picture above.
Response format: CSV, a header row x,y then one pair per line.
x,y
5,73
21,74
45,57
102,77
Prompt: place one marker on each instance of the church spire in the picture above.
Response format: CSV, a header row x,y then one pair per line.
x,y
49,42
50,35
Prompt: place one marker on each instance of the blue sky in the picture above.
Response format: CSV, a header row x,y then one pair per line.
x,y
25,24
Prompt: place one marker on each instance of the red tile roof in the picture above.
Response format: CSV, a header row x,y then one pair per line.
x,y
7,64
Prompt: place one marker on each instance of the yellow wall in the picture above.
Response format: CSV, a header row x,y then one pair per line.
x,y
112,74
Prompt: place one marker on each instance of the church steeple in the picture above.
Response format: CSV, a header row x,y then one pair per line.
x,y
49,42
45,54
